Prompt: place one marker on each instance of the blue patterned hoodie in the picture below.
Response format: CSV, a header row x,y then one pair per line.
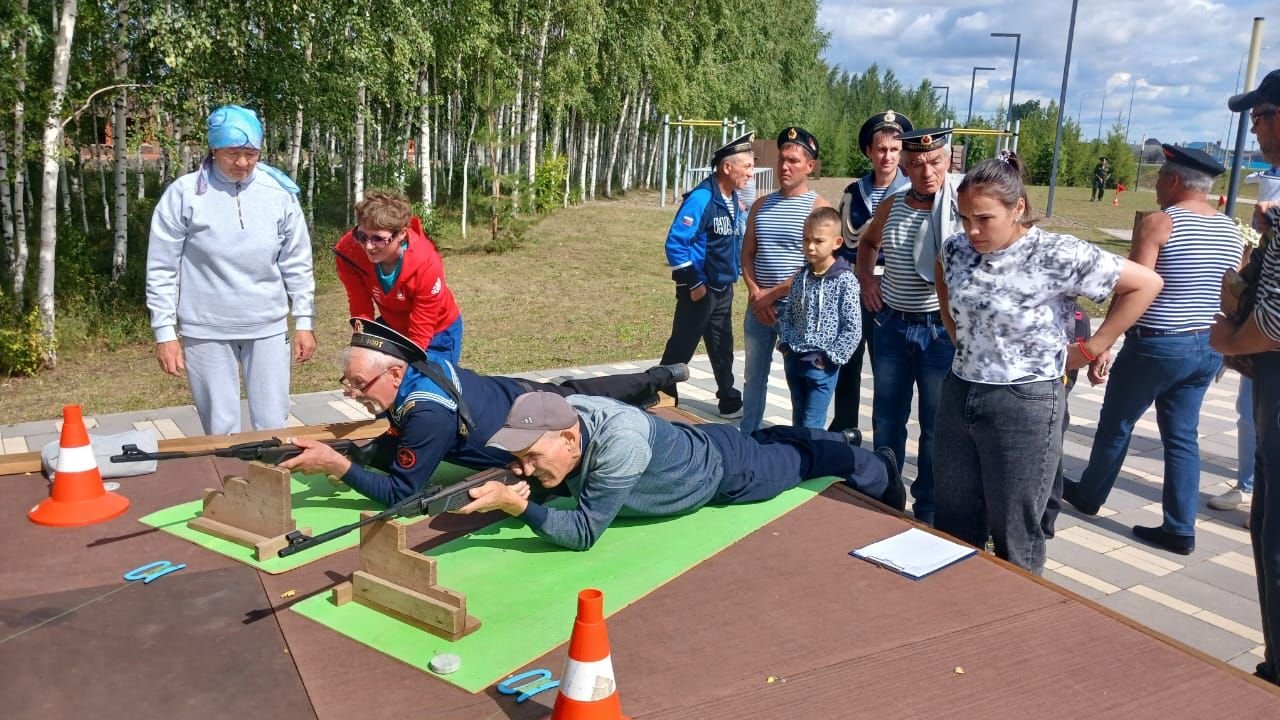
x,y
822,313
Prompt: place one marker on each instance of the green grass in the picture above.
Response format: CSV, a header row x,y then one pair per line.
x,y
585,285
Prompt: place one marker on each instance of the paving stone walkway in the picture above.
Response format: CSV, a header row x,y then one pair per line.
x,y
1207,600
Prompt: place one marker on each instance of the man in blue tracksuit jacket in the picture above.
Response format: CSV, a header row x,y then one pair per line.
x,y
703,248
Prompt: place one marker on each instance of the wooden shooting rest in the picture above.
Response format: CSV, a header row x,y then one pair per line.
x,y
402,583
255,512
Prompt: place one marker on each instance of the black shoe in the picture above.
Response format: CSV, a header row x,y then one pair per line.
x,y
666,375
1180,544
1264,672
1071,493
853,436
895,494
730,409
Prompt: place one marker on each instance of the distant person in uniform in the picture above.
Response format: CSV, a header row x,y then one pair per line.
x,y
1101,174
704,246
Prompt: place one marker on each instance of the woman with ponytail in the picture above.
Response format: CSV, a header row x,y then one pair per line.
x,y
1007,291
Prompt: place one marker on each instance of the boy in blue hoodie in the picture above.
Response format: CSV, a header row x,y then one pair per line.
x,y
822,321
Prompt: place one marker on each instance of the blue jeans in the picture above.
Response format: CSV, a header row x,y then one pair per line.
x,y
811,390
760,341
1246,436
1173,372
1000,456
1264,518
913,351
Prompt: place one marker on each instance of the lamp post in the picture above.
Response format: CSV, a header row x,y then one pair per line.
x,y
1062,99
973,78
1102,108
1013,82
946,102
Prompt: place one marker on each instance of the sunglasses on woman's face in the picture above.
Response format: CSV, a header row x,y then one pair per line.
x,y
375,241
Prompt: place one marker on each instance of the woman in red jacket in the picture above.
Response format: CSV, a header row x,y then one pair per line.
x,y
393,274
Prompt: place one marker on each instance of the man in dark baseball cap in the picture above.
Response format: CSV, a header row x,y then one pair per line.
x,y
1268,92
619,461
1257,336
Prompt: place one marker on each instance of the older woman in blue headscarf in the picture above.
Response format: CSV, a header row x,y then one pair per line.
x,y
229,259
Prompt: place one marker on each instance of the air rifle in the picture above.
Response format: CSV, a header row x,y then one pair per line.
x,y
272,451
431,500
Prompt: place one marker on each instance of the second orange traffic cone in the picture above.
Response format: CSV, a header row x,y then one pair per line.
x,y
588,690
78,497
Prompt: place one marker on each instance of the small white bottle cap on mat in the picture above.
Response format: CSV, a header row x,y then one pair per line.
x,y
445,663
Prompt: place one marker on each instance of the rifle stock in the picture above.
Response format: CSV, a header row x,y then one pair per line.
x,y
431,500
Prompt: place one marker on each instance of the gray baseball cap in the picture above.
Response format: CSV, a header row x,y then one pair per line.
x,y
532,415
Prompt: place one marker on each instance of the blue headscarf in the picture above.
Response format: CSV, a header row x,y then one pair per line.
x,y
233,126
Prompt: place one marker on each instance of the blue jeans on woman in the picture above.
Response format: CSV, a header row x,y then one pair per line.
x,y
1172,371
913,351
1001,451
811,389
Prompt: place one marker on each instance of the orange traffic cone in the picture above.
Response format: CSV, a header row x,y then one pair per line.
x,y
78,497
588,690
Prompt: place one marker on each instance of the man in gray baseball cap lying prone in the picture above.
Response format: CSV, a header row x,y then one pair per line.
x,y
618,460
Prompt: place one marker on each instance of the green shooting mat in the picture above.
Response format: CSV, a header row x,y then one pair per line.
x,y
317,504
524,590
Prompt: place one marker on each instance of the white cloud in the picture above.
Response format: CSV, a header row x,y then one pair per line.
x,y
1180,58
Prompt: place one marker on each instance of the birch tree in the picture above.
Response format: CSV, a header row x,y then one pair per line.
x,y
52,151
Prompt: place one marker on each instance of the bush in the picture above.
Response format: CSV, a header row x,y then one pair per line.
x,y
548,183
21,345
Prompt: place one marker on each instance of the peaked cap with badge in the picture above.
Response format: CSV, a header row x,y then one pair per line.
x,y
801,137
374,335
925,140
737,145
887,120
1194,159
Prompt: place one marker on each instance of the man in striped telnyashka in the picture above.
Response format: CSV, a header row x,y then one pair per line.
x,y
1166,358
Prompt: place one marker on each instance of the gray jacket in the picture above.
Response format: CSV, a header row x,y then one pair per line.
x,y
633,465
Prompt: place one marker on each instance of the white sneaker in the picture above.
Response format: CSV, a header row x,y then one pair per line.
x,y
1233,499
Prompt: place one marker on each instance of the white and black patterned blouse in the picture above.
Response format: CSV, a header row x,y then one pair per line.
x,y
1012,306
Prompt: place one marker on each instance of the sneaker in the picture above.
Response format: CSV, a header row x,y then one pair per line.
x,y
730,409
895,495
1233,499
1180,544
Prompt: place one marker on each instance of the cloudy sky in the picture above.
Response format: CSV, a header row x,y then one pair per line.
x,y
1180,58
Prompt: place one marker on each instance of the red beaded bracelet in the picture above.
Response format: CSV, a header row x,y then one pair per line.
x,y
1085,353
